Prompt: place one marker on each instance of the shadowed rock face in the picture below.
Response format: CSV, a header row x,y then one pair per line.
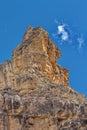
x,y
34,90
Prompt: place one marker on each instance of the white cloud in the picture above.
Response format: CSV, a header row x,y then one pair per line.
x,y
60,29
66,34
80,41
63,32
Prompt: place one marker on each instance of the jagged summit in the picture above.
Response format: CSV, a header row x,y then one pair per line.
x,y
34,89
37,50
34,32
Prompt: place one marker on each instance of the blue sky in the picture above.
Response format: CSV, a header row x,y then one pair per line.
x,y
16,15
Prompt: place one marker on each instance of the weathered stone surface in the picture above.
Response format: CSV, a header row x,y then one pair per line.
x,y
34,91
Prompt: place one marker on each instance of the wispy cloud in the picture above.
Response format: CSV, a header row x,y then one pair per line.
x,y
65,34
80,41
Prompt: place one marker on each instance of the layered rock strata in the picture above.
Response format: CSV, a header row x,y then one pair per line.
x,y
34,90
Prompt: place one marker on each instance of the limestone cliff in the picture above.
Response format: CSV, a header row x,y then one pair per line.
x,y
34,89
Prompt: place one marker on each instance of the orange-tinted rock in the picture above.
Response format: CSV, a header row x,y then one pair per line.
x,y
34,90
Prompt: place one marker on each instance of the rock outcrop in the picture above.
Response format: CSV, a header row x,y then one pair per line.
x,y
34,90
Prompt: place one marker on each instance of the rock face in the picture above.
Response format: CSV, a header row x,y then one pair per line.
x,y
34,90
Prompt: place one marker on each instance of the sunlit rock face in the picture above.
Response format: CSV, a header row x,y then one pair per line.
x,y
34,90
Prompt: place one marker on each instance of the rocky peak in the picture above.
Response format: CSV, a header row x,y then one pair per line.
x,y
39,51
31,33
34,89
